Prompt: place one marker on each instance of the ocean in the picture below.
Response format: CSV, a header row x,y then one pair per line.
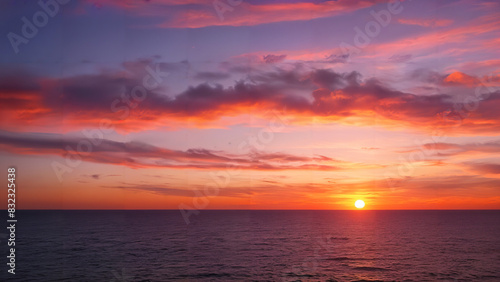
x,y
360,245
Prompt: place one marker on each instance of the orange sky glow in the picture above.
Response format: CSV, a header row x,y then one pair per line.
x,y
303,105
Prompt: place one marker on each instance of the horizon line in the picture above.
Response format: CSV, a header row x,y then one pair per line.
x,y
260,210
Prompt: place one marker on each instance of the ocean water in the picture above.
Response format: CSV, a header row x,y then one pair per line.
x,y
256,246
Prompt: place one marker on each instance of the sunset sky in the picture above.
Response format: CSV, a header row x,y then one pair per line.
x,y
251,104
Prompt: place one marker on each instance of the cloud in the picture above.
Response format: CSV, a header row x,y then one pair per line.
x,y
465,40
142,155
400,58
473,151
455,149
427,76
198,13
485,66
99,176
271,59
419,193
460,78
483,168
322,95
174,190
336,58
456,78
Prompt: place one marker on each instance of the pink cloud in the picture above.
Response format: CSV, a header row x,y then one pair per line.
x,y
202,13
142,155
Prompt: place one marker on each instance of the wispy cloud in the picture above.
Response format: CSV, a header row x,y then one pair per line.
x,y
142,155
325,95
198,13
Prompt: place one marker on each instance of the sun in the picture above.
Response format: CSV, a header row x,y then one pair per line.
x,y
359,204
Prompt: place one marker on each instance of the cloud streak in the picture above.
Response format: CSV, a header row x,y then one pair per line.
x,y
203,13
142,155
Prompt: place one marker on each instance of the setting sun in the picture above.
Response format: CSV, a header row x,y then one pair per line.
x,y
359,204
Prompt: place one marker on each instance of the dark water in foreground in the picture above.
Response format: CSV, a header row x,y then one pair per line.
x,y
256,246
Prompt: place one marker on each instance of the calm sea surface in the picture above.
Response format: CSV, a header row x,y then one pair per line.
x,y
256,246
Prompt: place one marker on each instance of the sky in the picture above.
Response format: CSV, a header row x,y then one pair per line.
x,y
230,104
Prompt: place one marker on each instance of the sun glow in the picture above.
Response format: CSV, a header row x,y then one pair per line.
x,y
359,204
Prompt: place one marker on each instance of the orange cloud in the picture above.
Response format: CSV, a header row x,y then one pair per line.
x,y
460,192
452,41
86,100
460,78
